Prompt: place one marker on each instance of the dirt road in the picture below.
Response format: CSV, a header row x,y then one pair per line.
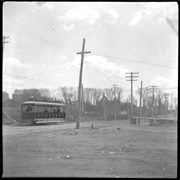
x,y
111,149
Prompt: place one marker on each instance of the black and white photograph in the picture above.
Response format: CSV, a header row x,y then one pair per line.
x,y
89,89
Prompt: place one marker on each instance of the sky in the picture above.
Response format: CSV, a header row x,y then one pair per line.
x,y
44,38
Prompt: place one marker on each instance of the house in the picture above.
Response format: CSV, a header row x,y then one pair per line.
x,y
18,96
5,96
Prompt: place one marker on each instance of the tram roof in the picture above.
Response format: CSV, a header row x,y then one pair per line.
x,y
42,103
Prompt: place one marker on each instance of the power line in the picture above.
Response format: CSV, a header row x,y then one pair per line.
x,y
28,78
36,35
28,36
101,73
119,59
139,62
31,37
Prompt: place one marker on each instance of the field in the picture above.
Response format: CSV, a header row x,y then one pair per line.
x,y
110,149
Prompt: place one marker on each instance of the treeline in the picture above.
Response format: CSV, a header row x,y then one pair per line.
x,y
94,99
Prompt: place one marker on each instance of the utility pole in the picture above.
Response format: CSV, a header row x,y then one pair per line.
x,y
159,103
147,102
104,106
80,82
171,102
175,103
166,95
131,79
140,103
115,101
82,102
153,89
4,41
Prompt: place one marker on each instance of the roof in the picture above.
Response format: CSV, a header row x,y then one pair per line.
x,y
18,92
42,103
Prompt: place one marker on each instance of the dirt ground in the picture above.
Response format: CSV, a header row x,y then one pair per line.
x,y
110,149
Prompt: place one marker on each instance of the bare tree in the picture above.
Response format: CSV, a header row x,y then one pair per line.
x,y
134,100
87,95
45,93
119,93
97,95
92,95
69,94
109,93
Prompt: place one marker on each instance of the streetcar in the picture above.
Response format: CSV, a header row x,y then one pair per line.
x,y
34,112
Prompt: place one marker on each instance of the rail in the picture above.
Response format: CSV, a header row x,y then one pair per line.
x,y
152,120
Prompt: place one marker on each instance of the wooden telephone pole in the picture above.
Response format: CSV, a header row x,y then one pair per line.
x,y
166,95
104,106
82,101
153,89
131,79
140,104
80,82
115,108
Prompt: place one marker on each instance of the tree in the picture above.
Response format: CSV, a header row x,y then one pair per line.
x,y
109,93
46,94
31,93
96,95
145,92
69,94
134,100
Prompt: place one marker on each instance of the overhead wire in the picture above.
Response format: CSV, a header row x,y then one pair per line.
x,y
38,37
101,73
27,78
117,58
107,55
133,61
16,32
51,44
29,37
32,35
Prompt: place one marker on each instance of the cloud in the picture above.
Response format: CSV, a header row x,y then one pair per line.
x,y
13,63
136,19
102,64
40,3
112,16
63,56
165,83
11,83
46,5
81,14
68,27
160,11
88,16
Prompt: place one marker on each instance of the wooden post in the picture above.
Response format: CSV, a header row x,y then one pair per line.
x,y
140,104
80,82
131,79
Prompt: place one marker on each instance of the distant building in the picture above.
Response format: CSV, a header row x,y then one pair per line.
x,y
29,94
5,96
18,95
